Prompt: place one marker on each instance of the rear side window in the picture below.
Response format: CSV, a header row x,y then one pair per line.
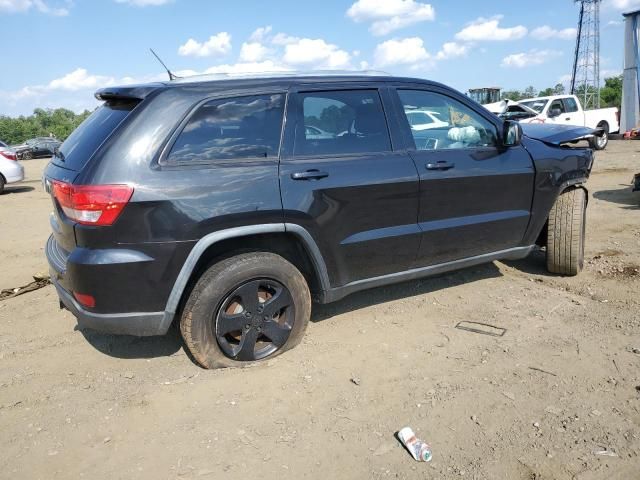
x,y
570,105
231,128
85,140
341,122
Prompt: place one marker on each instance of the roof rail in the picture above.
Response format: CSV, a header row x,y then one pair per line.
x,y
278,74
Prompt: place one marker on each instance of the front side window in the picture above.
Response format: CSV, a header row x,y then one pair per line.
x,y
536,105
450,124
231,128
341,122
556,105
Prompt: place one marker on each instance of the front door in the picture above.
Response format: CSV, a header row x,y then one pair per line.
x,y
343,182
475,195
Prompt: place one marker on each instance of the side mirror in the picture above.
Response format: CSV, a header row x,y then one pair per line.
x,y
554,112
511,134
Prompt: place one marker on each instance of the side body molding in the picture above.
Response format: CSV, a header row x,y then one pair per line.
x,y
205,242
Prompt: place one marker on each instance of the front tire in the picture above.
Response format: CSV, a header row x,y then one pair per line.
x,y
566,232
244,309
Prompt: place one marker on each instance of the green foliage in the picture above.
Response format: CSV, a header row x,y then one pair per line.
x,y
58,123
529,92
611,93
332,119
514,95
547,92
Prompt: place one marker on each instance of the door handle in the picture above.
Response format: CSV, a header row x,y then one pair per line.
x,y
568,118
441,165
309,175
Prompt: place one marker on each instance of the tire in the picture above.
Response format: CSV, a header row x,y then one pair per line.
x,y
601,142
2,184
222,299
566,232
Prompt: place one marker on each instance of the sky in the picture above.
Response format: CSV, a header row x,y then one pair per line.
x,y
56,53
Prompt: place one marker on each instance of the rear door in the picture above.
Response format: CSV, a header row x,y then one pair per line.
x,y
475,195
348,187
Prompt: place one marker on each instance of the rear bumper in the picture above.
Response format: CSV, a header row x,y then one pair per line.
x,y
15,174
140,324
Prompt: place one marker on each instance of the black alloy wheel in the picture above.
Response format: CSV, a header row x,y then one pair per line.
x,y
254,320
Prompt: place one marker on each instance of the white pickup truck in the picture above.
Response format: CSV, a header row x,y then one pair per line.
x,y
567,110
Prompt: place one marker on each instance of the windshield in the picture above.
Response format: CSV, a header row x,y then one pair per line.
x,y
537,105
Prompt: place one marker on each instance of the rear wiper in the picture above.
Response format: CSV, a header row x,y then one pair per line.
x,y
58,153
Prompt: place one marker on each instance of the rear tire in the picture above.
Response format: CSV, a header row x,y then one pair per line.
x,y
600,142
2,184
566,232
245,309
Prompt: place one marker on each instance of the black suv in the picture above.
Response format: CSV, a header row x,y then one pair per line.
x,y
227,205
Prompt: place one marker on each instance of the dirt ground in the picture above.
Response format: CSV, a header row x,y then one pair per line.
x,y
556,397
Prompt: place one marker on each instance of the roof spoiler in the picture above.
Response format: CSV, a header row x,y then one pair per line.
x,y
130,92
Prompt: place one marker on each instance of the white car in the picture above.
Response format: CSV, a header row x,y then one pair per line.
x,y
10,170
424,120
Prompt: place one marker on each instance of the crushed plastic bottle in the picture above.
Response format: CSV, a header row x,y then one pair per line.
x,y
419,450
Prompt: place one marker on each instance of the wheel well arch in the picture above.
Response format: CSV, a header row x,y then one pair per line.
x,y
605,125
295,245
541,241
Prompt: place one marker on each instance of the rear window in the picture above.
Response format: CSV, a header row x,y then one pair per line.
x,y
85,140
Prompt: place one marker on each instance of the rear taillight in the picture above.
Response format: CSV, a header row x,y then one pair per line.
x,y
85,300
91,204
9,155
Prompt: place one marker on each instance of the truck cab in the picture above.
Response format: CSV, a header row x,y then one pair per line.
x,y
567,110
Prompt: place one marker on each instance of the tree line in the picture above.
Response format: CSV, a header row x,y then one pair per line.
x,y
58,123
610,93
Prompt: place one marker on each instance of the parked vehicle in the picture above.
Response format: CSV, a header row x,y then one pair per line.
x,y
226,217
37,148
316,133
424,120
10,170
567,110
511,110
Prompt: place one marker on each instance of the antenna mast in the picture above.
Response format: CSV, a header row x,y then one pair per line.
x,y
585,78
172,76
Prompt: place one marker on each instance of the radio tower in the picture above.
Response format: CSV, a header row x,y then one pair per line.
x,y
585,78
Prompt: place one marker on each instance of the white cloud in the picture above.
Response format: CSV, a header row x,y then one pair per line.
x,y
145,3
390,15
452,50
545,32
219,44
622,5
266,66
530,58
488,29
21,6
260,34
253,52
316,52
614,23
406,51
283,39
79,79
